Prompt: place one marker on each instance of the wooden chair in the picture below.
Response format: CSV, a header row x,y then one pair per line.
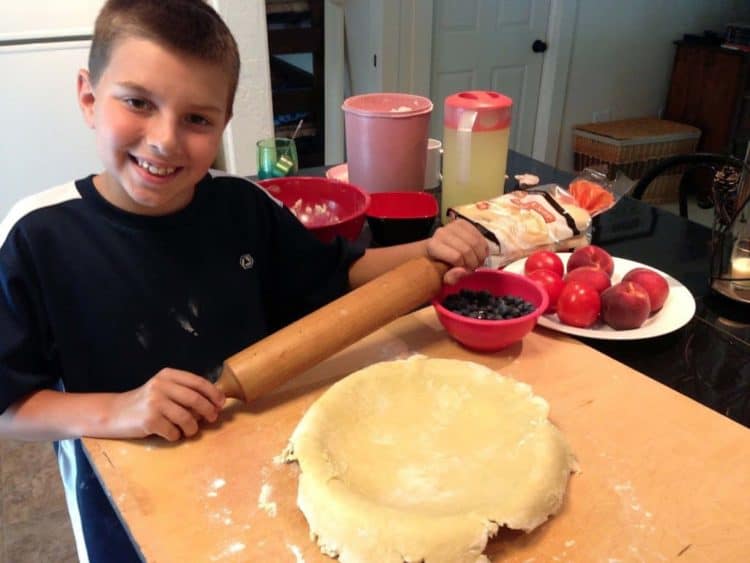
x,y
692,161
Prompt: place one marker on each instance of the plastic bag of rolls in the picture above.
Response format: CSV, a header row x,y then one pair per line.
x,y
521,222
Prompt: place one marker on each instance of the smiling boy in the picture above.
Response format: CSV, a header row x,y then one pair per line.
x,y
120,291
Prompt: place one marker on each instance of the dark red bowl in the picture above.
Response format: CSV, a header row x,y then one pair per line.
x,y
340,207
485,335
401,217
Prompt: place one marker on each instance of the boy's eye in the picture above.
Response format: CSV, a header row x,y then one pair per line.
x,y
137,103
195,119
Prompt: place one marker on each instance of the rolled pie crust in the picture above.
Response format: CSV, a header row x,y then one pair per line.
x,y
424,459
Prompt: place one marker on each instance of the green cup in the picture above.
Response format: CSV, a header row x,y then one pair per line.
x,y
277,157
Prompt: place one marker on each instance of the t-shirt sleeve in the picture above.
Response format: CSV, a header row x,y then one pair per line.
x,y
25,352
307,273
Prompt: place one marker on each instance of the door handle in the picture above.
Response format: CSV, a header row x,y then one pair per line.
x,y
539,46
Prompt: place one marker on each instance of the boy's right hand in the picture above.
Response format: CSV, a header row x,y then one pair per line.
x,y
170,405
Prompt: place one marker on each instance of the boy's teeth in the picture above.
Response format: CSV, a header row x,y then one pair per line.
x,y
153,169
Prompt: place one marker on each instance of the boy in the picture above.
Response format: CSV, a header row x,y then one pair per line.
x,y
121,290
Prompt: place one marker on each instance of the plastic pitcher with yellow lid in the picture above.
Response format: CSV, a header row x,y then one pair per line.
x,y
475,144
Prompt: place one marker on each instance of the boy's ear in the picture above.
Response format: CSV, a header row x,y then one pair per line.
x,y
86,98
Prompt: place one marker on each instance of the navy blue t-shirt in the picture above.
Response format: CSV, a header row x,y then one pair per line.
x,y
96,299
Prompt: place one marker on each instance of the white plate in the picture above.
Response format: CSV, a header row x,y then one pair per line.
x,y
677,311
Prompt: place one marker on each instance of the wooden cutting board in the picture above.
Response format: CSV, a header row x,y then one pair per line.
x,y
662,477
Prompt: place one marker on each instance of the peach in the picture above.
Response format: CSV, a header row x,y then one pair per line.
x,y
596,278
625,305
591,256
654,284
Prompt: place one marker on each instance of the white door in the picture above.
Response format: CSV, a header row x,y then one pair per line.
x,y
487,45
44,141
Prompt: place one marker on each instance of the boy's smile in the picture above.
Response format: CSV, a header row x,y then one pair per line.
x,y
158,117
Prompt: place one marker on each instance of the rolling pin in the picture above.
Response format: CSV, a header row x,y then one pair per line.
x,y
297,347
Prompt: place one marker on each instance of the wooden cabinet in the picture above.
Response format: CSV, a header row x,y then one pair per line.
x,y
296,51
710,89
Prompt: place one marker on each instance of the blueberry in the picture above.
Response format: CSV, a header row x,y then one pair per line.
x,y
483,305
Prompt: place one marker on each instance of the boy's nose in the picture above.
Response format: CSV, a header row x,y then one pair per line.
x,y
162,136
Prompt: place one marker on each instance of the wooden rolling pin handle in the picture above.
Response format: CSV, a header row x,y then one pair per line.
x,y
228,383
297,347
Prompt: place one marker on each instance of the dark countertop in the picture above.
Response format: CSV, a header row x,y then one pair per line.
x,y
709,358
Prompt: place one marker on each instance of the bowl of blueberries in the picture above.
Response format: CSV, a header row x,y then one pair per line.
x,y
488,309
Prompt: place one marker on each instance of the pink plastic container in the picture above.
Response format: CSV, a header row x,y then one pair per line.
x,y
386,141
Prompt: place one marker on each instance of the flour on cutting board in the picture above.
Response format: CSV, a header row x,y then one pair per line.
x,y
264,500
231,549
638,526
640,521
629,499
563,556
213,488
223,515
298,558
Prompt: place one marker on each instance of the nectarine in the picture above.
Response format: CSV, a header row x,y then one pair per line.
x,y
591,256
654,284
595,277
625,306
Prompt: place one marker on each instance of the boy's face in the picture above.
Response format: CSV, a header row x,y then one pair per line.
x,y
158,117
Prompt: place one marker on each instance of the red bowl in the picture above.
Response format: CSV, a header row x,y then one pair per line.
x,y
328,208
401,217
487,335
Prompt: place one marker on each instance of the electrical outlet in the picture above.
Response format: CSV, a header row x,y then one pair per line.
x,y
603,115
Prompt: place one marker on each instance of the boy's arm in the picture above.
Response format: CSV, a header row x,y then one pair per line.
x,y
169,405
459,244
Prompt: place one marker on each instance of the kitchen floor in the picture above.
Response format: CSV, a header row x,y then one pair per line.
x,y
34,524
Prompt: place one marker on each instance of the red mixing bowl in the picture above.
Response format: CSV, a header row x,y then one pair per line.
x,y
328,208
401,217
489,335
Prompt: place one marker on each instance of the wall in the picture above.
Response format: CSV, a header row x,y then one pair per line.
x,y
253,111
622,58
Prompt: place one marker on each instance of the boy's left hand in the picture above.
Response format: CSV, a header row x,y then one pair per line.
x,y
459,244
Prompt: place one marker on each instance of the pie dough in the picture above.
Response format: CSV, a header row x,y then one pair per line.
x,y
424,459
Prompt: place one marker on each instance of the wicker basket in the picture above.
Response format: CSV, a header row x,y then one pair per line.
x,y
635,145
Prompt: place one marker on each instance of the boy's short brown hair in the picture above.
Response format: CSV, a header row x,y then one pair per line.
x,y
191,27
